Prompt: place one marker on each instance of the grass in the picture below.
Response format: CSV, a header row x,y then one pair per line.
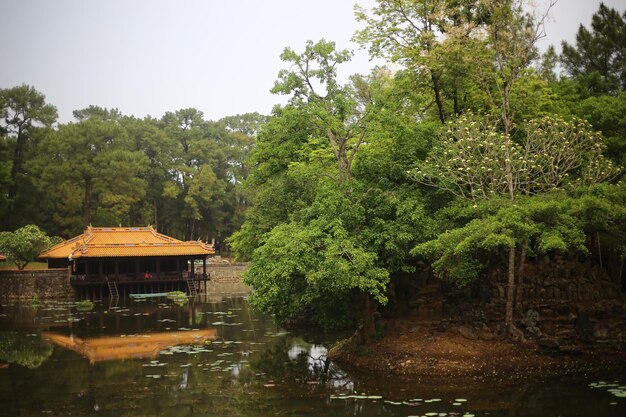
x,y
8,265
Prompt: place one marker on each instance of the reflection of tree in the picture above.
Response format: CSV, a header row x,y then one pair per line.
x,y
276,365
292,361
20,349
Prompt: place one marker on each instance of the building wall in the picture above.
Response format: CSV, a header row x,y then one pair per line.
x,y
45,284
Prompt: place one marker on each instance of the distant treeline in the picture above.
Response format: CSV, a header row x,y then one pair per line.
x,y
180,173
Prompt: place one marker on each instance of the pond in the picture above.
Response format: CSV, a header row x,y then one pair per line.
x,y
214,356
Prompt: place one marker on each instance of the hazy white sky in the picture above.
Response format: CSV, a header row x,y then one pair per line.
x,y
152,56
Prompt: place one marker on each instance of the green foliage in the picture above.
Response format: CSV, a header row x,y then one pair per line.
x,y
178,297
544,224
35,302
84,305
24,116
597,60
406,32
90,174
23,350
182,174
304,262
24,245
606,113
474,160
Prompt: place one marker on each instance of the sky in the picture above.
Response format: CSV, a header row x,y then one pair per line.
x,y
147,57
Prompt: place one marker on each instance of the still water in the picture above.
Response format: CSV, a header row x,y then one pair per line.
x,y
213,356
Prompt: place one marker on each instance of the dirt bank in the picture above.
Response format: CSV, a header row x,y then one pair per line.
x,y
431,352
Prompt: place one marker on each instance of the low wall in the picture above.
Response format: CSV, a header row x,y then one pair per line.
x,y
44,283
224,273
558,279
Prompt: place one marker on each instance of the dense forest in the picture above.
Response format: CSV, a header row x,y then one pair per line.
x,y
470,148
180,173
474,150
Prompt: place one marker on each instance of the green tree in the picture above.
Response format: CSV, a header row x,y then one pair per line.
x,y
276,183
194,183
318,265
316,251
90,175
24,245
159,149
23,110
410,32
340,112
97,111
597,60
476,162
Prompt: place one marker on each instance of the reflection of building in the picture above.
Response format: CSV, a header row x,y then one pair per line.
x,y
142,346
137,259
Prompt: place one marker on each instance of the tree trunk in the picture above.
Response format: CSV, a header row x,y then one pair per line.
x,y
438,99
87,202
156,217
621,271
510,293
367,314
599,249
520,279
17,163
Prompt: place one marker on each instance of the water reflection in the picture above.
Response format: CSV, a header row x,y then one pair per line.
x,y
142,346
23,349
217,357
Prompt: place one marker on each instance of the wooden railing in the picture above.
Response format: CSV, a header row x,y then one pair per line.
x,y
133,278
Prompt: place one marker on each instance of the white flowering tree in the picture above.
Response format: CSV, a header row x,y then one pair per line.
x,y
472,156
475,161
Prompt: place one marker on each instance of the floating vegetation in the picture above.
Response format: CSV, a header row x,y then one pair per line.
x,y
356,397
178,297
85,305
154,364
614,388
185,349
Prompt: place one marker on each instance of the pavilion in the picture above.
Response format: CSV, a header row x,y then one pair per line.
x,y
133,259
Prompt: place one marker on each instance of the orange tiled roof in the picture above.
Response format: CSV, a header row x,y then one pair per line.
x,y
3,258
118,242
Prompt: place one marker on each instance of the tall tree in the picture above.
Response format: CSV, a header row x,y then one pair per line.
x,y
340,112
194,182
147,138
23,111
598,59
433,39
476,162
97,111
315,258
90,174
